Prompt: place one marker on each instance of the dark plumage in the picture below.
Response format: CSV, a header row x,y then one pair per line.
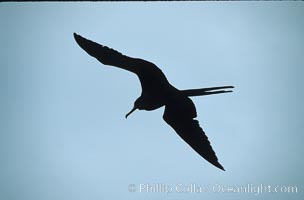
x,y
157,92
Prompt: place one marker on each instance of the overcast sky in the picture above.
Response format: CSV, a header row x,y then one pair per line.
x,y
63,132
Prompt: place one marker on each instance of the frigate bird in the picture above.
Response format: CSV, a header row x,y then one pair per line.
x,y
180,112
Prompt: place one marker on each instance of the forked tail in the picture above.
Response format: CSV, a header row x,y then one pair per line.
x,y
206,91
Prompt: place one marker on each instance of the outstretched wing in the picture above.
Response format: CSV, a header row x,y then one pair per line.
x,y
149,74
180,116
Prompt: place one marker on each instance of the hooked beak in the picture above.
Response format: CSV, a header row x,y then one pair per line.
x,y
133,109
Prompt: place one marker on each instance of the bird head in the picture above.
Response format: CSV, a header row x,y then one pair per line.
x,y
137,105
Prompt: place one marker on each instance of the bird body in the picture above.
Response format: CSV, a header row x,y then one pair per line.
x,y
157,92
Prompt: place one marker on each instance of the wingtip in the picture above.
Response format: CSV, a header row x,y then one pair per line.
x,y
218,165
78,39
75,35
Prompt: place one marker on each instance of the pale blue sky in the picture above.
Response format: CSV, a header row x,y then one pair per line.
x,y
63,131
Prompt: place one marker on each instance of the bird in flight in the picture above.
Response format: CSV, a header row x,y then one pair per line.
x,y
180,112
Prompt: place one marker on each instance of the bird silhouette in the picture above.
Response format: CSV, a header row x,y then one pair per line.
x,y
157,92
